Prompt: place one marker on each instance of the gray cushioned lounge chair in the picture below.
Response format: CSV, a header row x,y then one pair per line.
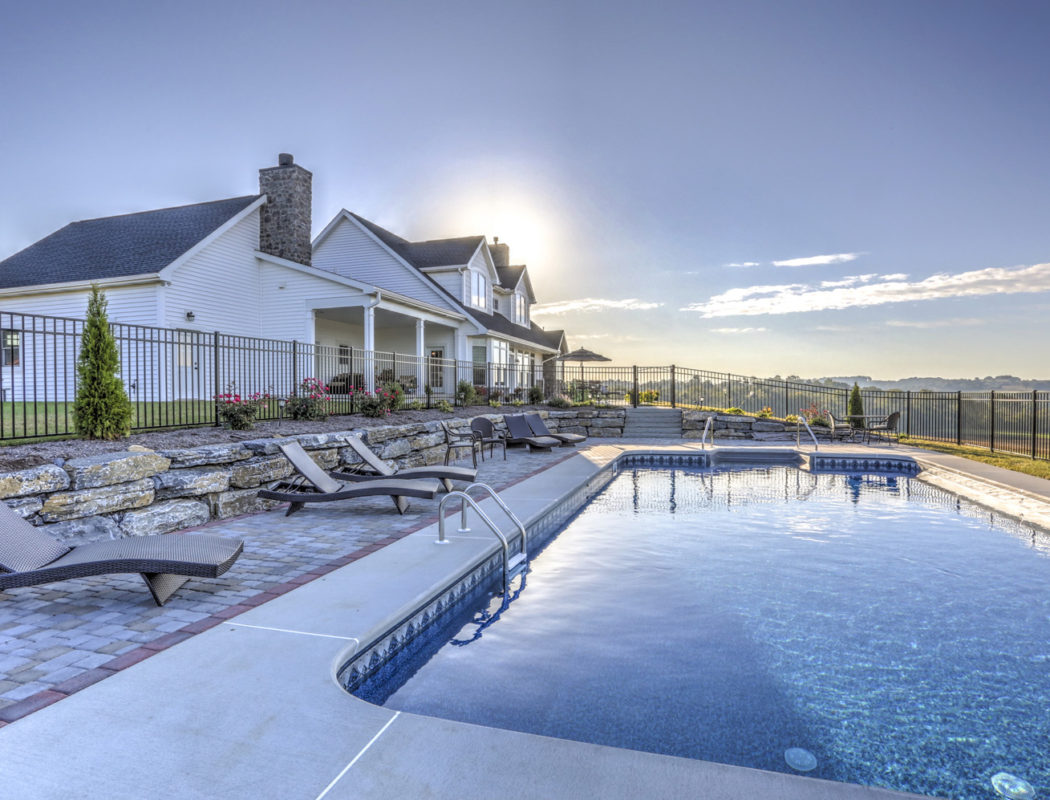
x,y
29,556
314,485
379,469
539,427
520,433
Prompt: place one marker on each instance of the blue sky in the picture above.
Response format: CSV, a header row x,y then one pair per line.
x,y
878,172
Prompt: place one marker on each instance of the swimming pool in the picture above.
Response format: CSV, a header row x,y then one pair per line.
x,y
898,634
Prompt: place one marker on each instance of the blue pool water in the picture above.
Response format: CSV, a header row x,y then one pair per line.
x,y
898,634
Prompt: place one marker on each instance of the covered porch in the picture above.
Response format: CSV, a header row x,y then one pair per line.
x,y
362,346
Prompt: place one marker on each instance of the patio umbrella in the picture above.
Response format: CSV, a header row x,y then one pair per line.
x,y
582,354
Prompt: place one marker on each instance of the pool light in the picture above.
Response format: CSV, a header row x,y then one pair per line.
x,y
1011,786
801,759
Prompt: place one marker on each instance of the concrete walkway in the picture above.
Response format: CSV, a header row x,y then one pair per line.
x,y
251,708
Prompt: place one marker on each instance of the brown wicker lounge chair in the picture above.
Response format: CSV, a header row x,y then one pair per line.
x,y
539,427
377,469
314,485
29,556
521,433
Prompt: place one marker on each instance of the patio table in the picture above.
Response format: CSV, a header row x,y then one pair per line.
x,y
866,419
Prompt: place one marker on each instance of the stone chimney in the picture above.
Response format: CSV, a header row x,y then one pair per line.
x,y
500,253
284,227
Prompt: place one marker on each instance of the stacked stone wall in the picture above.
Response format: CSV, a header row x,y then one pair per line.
x,y
139,492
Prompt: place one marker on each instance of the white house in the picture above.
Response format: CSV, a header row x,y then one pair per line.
x,y
360,303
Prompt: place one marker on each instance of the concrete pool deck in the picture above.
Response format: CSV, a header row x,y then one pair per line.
x,y
251,708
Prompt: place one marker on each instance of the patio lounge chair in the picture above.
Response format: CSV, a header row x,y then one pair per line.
x,y
886,429
29,557
379,469
314,485
539,427
521,433
488,435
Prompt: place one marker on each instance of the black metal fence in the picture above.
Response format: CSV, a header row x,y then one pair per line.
x,y
1010,422
173,376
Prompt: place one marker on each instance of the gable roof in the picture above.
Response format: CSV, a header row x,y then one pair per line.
x,y
509,278
118,247
431,253
457,252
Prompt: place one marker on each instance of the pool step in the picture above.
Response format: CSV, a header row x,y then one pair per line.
x,y
760,455
516,565
651,422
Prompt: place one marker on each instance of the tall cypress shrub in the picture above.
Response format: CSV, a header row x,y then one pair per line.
x,y
855,406
102,409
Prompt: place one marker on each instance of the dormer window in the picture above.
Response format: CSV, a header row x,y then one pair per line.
x,y
521,309
479,290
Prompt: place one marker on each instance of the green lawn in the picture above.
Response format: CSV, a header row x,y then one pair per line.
x,y
1040,469
55,420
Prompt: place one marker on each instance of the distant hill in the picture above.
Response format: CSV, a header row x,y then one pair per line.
x,y
1005,383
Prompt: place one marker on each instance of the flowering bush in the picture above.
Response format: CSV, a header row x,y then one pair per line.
x,y
765,413
444,405
374,404
395,395
311,401
238,412
559,401
814,416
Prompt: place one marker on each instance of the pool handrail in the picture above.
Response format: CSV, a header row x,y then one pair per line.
x,y
798,432
707,427
510,566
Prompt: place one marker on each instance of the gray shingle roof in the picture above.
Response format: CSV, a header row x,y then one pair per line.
x,y
118,247
431,253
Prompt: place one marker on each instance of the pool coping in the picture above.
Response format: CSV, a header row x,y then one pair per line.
x,y
235,674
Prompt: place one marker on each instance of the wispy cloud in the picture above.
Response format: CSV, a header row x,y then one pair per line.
x,y
818,261
737,330
742,264
849,280
797,297
935,323
594,304
589,336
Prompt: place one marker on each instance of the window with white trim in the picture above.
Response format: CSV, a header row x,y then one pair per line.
x,y
479,290
521,309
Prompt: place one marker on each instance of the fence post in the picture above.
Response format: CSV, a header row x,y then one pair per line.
x,y
634,386
958,418
216,382
907,412
1035,407
991,432
295,365
787,400
729,390
673,398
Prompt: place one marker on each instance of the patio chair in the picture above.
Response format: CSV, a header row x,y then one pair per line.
x,y
521,433
29,556
314,485
488,435
840,430
885,429
455,440
377,469
539,427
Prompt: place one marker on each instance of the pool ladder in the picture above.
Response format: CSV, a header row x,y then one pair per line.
x,y
512,565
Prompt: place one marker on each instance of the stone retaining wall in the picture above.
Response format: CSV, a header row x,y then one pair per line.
x,y
139,492
738,426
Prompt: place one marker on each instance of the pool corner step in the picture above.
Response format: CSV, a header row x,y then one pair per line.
x,y
754,455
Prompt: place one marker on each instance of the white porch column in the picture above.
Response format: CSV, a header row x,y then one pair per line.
x,y
421,357
370,346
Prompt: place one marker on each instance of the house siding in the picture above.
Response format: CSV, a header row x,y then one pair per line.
x,y
220,285
39,376
353,253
